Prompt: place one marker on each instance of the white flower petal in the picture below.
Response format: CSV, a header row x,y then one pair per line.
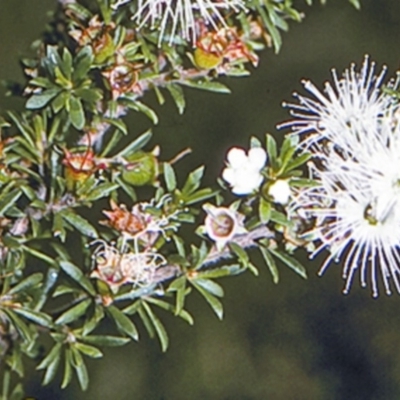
x,y
236,157
257,157
280,191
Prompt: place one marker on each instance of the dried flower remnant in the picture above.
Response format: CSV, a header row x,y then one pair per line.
x,y
117,268
141,223
179,17
122,77
243,172
97,35
220,48
124,221
222,224
79,167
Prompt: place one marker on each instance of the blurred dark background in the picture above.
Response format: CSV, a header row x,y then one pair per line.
x,y
298,340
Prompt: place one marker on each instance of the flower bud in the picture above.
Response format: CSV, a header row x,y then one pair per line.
x,y
280,191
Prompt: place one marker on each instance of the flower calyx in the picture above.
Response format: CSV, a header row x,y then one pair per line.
x,y
222,224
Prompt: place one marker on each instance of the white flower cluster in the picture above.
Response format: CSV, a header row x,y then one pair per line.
x,y
243,172
181,17
353,132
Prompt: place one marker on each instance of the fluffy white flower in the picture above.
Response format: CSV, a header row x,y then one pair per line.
x,y
346,111
356,221
354,137
243,172
180,17
280,191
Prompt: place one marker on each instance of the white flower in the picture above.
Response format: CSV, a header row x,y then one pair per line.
x,y
222,224
280,191
354,137
356,221
180,17
243,171
356,207
347,111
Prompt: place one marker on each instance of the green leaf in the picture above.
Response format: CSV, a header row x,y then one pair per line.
x,y
226,270
169,307
60,101
67,369
105,340
35,316
48,284
297,161
159,327
128,189
40,100
92,322
240,252
215,304
80,369
177,94
77,275
146,110
38,254
279,218
170,177
7,200
270,263
124,324
356,4
200,196
83,63
91,96
102,190
264,210
271,151
18,392
206,85
76,114
291,262
27,283
20,326
53,353
74,312
79,223
136,145
66,65
52,369
88,350
193,181
211,286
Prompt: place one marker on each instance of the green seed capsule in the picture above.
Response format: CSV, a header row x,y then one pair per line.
x,y
142,169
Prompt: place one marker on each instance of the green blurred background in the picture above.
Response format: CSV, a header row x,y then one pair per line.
x,y
292,341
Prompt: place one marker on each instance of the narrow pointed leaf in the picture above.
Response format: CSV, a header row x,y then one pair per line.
x,y
215,304
35,316
124,324
77,275
73,313
291,262
80,223
269,260
159,327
